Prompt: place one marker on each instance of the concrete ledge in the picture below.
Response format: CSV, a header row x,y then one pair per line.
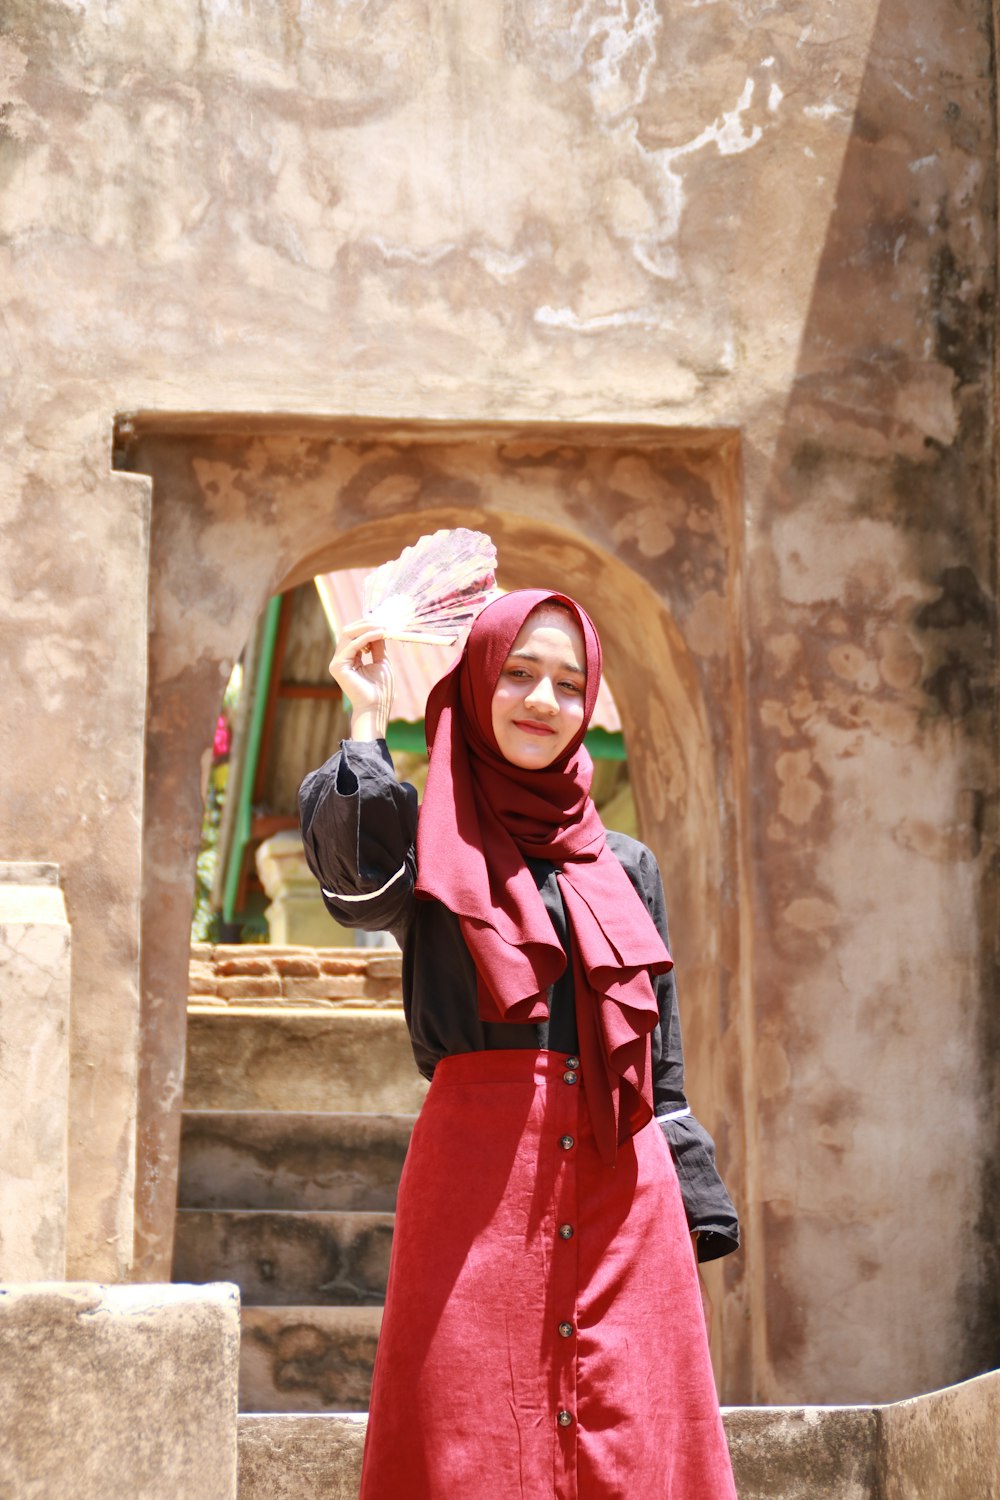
x,y
124,1391
945,1446
28,872
803,1452
301,1457
942,1446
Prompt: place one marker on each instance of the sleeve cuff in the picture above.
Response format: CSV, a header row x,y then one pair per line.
x,y
708,1206
712,1244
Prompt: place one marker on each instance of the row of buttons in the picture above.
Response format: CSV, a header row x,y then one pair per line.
x,y
566,1143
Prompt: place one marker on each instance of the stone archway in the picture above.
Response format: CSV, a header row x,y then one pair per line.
x,y
643,525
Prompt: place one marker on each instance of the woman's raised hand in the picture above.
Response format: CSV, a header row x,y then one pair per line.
x,y
367,684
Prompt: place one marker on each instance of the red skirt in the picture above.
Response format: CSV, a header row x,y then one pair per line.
x,y
543,1332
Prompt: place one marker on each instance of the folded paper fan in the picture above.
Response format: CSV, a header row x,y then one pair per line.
x,y
435,589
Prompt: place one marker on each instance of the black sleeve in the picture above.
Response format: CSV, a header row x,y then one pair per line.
x,y
707,1204
359,829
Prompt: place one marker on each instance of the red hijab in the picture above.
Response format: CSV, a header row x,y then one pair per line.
x,y
481,817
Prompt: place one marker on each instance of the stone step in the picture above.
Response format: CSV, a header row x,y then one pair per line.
x,y
300,1457
289,1058
307,1359
940,1446
275,1257
273,1159
778,1453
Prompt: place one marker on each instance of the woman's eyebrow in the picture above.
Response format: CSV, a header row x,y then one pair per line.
x,y
564,666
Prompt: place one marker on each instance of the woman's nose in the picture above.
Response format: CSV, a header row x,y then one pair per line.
x,y
543,697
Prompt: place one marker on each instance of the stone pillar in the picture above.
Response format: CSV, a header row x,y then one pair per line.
x,y
34,1072
125,1391
296,914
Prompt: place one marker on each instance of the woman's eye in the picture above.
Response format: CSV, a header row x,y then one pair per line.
x,y
571,687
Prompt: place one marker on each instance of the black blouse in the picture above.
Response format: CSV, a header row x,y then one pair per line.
x,y
359,827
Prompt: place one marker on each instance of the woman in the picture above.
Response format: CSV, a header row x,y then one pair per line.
x,y
543,1333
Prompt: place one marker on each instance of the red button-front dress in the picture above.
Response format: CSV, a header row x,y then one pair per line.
x,y
543,1333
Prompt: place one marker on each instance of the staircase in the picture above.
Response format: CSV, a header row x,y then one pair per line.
x,y
299,1100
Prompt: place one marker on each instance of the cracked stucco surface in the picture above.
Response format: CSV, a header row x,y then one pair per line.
x,y
766,220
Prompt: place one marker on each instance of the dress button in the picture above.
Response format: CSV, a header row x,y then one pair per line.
x,y
565,1330
572,1062
564,1418
565,1231
569,1077
567,1142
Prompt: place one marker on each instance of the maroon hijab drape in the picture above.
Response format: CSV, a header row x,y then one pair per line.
x,y
481,816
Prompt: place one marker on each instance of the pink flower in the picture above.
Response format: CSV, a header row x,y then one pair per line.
x,y
220,744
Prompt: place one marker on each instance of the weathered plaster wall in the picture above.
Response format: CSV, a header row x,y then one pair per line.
x,y
34,1072
769,218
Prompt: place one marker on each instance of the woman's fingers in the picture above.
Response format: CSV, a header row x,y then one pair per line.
x,y
368,684
360,636
353,641
360,627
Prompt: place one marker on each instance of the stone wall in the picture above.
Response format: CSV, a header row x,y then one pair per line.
x,y
759,236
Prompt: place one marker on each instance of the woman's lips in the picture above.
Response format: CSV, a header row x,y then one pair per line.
x,y
533,726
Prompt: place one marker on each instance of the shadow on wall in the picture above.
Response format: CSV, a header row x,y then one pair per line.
x,y
873,626
643,527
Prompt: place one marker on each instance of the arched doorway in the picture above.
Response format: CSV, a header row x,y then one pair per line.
x,y
643,526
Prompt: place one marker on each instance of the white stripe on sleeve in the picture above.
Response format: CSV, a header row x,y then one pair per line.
x,y
367,895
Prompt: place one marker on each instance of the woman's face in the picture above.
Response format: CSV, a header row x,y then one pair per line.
x,y
538,703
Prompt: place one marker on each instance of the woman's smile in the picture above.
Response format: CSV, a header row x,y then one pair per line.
x,y
534,726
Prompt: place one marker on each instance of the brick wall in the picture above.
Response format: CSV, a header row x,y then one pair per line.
x,y
264,975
